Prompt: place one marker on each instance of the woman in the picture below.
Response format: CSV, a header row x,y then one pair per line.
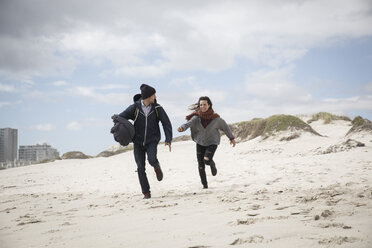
x,y
205,125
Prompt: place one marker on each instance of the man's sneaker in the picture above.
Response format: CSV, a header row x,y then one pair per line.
x,y
159,173
213,168
147,195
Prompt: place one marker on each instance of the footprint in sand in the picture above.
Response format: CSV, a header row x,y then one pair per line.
x,y
274,181
336,225
253,239
32,221
261,192
52,231
7,210
164,206
332,202
327,213
249,221
198,246
284,207
256,207
331,242
27,219
67,224
358,204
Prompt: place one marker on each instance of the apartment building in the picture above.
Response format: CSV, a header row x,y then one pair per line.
x,y
36,153
8,144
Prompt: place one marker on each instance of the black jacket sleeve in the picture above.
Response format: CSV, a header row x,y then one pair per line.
x,y
129,112
167,126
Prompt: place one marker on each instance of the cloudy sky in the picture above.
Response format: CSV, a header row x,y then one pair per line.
x,y
67,66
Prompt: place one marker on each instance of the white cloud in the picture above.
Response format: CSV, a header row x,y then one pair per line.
x,y
206,35
113,87
43,127
78,125
107,98
367,88
261,108
60,83
214,95
36,94
143,71
115,98
188,81
355,103
3,104
276,86
7,88
28,57
83,91
74,126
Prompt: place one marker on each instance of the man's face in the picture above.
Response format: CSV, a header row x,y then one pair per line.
x,y
152,98
204,106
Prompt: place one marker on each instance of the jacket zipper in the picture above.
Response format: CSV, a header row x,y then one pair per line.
x,y
144,140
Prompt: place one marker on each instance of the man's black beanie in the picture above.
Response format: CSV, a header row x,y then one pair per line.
x,y
147,91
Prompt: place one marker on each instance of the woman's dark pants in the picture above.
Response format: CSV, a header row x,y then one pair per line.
x,y
201,152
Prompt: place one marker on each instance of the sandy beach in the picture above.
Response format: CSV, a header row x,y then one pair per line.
x,y
313,191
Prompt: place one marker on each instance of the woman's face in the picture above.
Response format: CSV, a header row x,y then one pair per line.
x,y
204,106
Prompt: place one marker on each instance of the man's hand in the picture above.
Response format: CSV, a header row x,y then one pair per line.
x,y
170,146
232,142
180,129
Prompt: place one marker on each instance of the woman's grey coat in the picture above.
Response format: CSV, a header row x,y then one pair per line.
x,y
209,135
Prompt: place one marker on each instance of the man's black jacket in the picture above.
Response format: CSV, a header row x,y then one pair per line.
x,y
147,127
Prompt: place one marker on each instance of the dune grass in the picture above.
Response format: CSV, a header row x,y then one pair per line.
x,y
327,117
360,125
358,121
278,123
247,130
75,155
49,160
112,153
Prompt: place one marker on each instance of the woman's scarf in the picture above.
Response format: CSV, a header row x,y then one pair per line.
x,y
208,115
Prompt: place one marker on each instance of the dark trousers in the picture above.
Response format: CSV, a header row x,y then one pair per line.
x,y
140,158
201,152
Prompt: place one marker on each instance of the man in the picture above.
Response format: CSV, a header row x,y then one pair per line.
x,y
146,113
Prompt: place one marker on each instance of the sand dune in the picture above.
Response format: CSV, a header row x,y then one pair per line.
x,y
268,193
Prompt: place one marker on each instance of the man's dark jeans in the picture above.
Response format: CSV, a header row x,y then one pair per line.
x,y
140,157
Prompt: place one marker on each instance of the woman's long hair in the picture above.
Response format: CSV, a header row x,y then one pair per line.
x,y
196,106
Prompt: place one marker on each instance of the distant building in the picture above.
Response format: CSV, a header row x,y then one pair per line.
x,y
8,144
36,153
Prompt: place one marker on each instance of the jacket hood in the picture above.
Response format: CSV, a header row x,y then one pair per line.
x,y
136,97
